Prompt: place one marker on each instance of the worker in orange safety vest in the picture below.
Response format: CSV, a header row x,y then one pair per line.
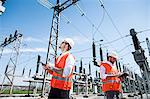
x,y
111,83
62,72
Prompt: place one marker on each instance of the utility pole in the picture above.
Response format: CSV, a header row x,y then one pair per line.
x,y
29,72
94,53
81,67
140,59
107,55
38,64
148,45
89,68
83,70
23,71
75,70
96,74
53,39
119,67
11,66
101,53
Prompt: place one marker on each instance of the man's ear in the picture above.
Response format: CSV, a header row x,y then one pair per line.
x,y
66,47
69,47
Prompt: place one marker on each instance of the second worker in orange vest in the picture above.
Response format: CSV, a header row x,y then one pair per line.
x,y
62,72
110,77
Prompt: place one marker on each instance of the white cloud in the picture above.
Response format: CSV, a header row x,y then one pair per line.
x,y
31,39
35,50
79,40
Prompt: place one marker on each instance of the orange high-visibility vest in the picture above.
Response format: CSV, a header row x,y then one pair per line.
x,y
110,83
58,81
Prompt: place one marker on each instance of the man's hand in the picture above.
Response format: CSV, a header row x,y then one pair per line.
x,y
115,75
45,66
48,66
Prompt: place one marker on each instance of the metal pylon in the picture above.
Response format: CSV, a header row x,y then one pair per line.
x,y
9,73
53,39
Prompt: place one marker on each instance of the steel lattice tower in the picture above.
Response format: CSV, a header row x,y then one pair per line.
x,y
9,73
53,39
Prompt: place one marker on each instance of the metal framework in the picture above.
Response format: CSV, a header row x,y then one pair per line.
x,y
11,66
53,39
141,60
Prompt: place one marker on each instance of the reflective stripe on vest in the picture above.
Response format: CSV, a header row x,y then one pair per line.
x,y
111,81
63,79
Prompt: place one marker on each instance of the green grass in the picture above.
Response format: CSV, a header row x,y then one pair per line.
x,y
18,92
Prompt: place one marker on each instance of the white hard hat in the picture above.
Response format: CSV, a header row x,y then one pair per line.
x,y
113,54
70,41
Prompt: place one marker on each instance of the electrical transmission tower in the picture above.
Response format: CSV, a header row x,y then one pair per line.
x,y
53,39
141,60
15,41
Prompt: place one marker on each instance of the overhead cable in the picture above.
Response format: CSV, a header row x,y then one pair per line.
x,y
92,24
111,20
49,6
143,31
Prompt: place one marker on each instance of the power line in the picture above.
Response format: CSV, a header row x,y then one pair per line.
x,y
143,31
116,39
125,54
75,27
79,51
87,49
83,14
113,23
124,48
87,18
46,4
102,19
80,31
110,18
92,24
49,6
97,28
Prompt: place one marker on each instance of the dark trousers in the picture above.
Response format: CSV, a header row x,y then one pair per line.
x,y
112,94
58,94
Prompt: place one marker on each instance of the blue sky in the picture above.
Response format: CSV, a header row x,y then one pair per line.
x,y
34,21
